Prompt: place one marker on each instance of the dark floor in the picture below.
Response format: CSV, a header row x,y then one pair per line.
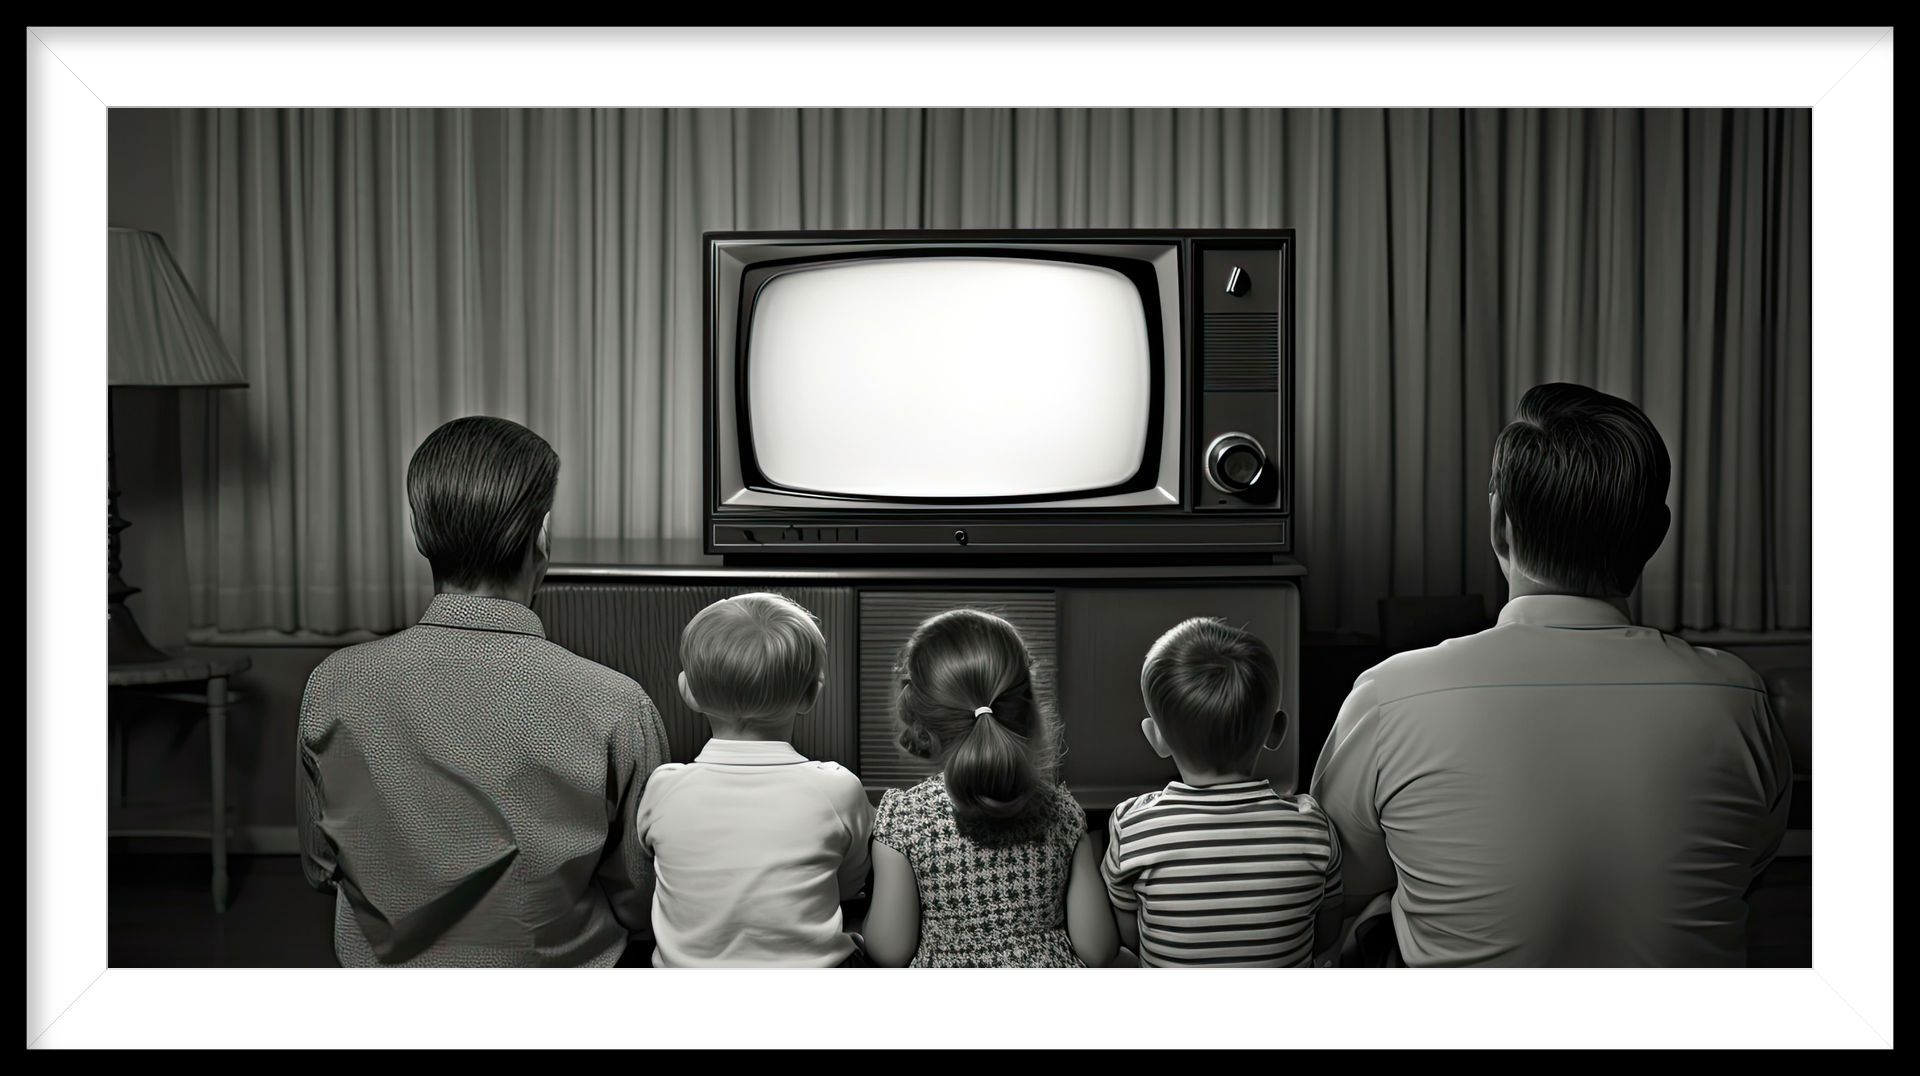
x,y
1780,934
160,915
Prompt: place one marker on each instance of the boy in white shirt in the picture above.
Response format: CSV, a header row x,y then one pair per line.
x,y
754,846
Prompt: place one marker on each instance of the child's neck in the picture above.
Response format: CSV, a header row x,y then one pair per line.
x,y
726,728
1200,778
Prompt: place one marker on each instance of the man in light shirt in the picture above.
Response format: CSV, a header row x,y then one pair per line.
x,y
1565,788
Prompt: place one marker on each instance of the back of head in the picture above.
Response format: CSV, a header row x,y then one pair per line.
x,y
965,700
1212,690
480,488
752,657
1582,479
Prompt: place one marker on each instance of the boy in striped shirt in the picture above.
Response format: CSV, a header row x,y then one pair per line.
x,y
1217,869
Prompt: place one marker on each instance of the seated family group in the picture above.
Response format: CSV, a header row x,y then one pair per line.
x,y
1563,789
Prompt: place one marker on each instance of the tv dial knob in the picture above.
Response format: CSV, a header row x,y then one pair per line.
x,y
1237,282
1235,462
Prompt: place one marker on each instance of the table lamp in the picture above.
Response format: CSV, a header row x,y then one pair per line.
x,y
158,335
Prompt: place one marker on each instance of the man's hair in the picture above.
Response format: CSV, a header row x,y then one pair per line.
x,y
752,656
1212,688
1582,477
479,488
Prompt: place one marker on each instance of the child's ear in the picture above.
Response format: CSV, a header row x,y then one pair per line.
x,y
1277,735
812,696
686,695
1151,730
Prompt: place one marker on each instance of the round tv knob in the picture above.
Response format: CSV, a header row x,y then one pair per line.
x,y
1235,462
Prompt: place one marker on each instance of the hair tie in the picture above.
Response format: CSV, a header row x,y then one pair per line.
x,y
982,711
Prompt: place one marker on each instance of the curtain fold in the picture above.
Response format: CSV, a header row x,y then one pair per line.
x,y
382,271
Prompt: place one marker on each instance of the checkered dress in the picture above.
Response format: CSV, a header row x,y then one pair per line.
x,y
990,896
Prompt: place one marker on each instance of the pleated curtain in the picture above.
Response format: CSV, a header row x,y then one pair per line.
x,y
380,272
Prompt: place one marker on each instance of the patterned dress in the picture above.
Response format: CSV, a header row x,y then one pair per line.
x,y
991,896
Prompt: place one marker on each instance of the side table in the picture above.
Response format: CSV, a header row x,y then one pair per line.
x,y
160,679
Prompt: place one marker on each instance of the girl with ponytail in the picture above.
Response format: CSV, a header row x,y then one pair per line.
x,y
987,863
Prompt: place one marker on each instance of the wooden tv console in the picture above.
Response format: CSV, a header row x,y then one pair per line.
x,y
624,603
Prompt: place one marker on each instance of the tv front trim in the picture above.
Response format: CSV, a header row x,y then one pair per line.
x,y
1215,483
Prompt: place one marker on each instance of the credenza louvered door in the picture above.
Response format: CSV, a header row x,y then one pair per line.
x,y
635,629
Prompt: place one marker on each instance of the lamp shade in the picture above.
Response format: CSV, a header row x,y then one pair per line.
x,y
158,334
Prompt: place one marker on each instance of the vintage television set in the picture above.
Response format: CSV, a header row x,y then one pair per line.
x,y
1014,393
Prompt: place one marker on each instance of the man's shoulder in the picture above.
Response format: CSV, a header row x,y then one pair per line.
x,y
603,697
588,680
354,665
1455,662
1512,655
1718,666
395,653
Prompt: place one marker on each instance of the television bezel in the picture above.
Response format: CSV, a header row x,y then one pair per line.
x,y
1062,529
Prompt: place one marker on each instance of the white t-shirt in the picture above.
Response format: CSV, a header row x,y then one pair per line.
x,y
754,846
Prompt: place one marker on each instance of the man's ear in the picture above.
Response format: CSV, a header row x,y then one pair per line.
x,y
413,526
1498,533
1653,536
1657,533
538,557
1277,735
686,695
812,696
1151,730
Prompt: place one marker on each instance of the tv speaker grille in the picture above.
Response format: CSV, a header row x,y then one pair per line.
x,y
635,629
1241,352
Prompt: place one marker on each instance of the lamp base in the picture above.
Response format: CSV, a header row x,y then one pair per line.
x,y
126,644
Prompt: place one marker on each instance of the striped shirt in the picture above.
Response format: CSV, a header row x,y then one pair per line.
x,y
1228,874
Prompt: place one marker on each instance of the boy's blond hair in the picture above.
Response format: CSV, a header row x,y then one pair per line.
x,y
752,656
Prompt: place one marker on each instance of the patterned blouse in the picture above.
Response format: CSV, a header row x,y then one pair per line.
x,y
991,896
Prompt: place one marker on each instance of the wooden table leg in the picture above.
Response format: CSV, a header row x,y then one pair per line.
x,y
217,742
120,756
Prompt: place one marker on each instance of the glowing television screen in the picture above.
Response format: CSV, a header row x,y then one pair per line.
x,y
979,378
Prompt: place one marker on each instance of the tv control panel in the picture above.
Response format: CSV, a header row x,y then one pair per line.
x,y
1239,345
